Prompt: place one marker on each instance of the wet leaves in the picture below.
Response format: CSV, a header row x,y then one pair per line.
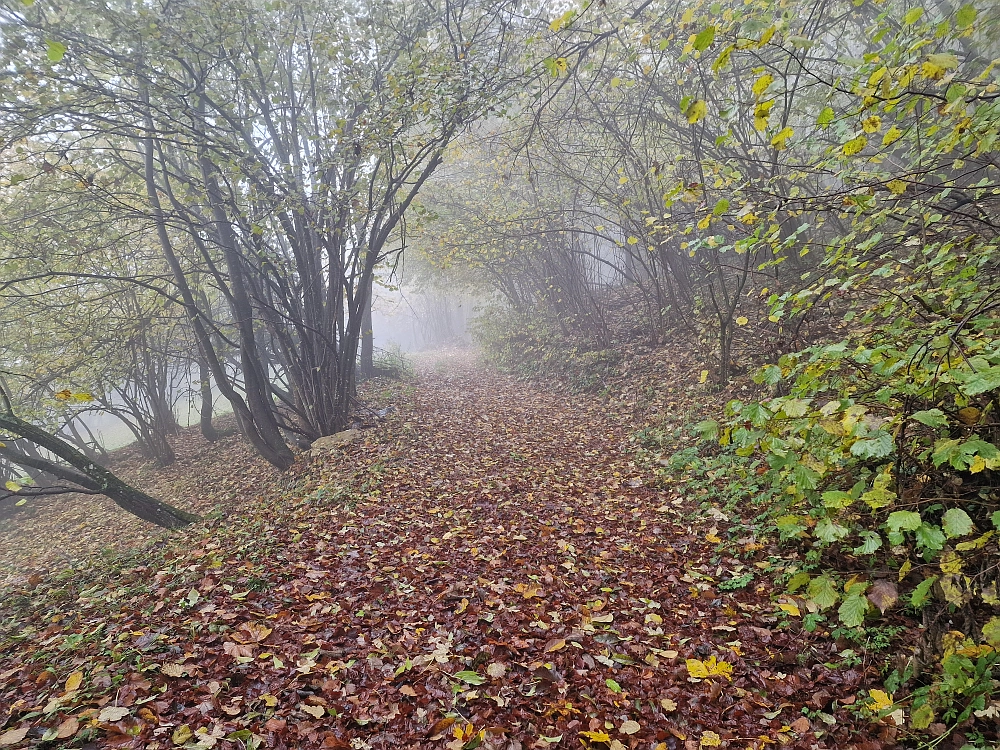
x,y
487,569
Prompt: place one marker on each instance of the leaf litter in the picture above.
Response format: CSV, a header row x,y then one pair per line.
x,y
487,567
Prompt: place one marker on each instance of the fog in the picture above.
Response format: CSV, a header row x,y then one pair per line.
x,y
402,322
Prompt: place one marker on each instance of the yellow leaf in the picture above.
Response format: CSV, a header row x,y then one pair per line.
x,y
790,609
783,135
269,700
760,114
182,734
709,668
561,64
950,563
896,187
904,569
74,681
703,377
622,180
872,124
710,739
880,700
12,486
633,240
761,84
892,135
703,224
462,606
766,36
317,712
597,736
854,146
696,111
935,66
668,705
742,320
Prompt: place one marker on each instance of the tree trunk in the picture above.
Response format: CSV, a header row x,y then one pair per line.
x,y
95,477
208,430
367,337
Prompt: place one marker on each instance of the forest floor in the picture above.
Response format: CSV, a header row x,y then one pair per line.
x,y
486,567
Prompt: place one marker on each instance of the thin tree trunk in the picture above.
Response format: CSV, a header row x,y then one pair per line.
x,y
208,430
367,337
97,478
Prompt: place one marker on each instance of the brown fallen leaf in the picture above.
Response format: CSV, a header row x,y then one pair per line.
x,y
112,713
13,736
68,728
439,726
554,645
275,725
801,725
883,594
407,690
630,727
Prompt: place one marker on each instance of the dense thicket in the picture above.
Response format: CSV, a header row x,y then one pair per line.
x,y
207,189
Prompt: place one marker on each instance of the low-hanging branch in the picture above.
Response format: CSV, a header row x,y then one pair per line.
x,y
84,472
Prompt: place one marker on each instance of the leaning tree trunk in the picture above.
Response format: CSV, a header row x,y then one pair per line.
x,y
95,477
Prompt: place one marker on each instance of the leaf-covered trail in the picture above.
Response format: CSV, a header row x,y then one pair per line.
x,y
485,569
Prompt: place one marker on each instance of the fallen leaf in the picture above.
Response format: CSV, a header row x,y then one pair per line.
x,y
74,681
112,713
880,700
181,734
13,736
630,727
801,725
407,690
173,670
68,728
317,712
883,594
440,726
470,678
710,739
554,645
496,670
709,668
668,705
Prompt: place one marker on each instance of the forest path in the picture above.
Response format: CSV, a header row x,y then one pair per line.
x,y
486,568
